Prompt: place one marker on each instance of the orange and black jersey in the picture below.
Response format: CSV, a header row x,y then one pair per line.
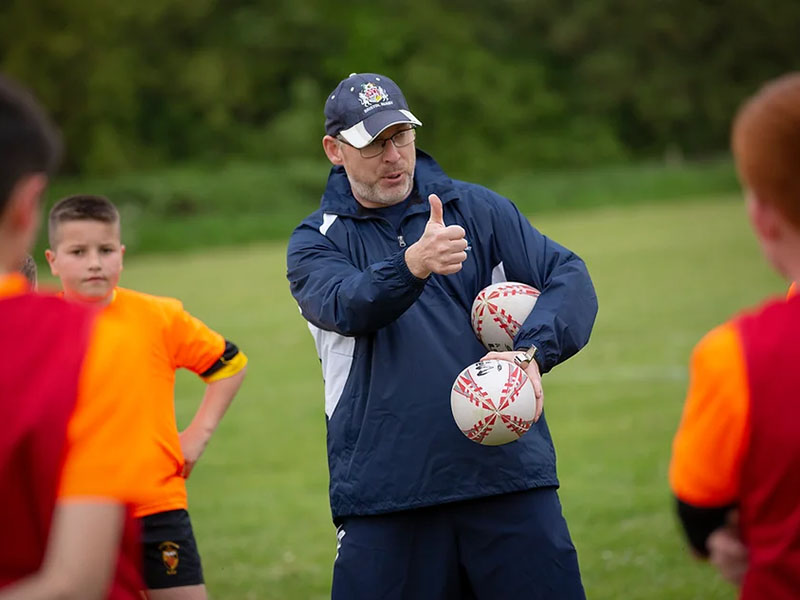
x,y
65,433
708,448
161,337
738,444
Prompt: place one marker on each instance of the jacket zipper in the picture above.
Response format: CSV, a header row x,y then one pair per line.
x,y
401,241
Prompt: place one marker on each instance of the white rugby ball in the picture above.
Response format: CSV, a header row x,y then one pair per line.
x,y
498,312
493,402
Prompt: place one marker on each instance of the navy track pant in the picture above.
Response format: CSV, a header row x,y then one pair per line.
x,y
512,546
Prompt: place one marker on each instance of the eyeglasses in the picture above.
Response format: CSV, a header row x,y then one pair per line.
x,y
376,147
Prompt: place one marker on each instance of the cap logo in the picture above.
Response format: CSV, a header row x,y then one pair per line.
x,y
372,95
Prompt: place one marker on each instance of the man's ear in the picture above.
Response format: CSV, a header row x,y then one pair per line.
x,y
333,150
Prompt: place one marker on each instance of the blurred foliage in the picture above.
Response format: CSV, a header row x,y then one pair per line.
x,y
502,85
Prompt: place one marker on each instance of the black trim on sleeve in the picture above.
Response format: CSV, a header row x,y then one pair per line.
x,y
230,351
699,523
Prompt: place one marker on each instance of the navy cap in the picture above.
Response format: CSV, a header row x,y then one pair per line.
x,y
363,105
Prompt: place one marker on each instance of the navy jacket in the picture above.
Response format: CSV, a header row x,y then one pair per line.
x,y
391,345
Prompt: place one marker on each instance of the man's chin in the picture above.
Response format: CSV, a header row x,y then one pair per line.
x,y
382,193
395,193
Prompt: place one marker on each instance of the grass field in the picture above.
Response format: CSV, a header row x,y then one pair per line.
x,y
664,274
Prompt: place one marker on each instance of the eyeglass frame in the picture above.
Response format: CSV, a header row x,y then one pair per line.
x,y
383,142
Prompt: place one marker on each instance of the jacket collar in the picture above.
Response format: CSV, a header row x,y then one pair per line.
x,y
429,178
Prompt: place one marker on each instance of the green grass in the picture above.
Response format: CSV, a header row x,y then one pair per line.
x,y
664,274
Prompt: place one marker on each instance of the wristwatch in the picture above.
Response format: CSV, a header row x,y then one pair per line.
x,y
524,358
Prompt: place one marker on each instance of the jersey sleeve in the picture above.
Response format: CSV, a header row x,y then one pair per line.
x,y
106,429
714,431
194,345
231,362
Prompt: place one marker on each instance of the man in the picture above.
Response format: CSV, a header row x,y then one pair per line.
x,y
735,467
385,272
64,478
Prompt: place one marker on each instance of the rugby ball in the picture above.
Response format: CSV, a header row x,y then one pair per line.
x,y
493,402
498,312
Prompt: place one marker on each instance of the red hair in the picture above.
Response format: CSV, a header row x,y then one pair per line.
x,y
766,145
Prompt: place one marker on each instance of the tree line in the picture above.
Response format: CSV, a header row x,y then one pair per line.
x,y
503,85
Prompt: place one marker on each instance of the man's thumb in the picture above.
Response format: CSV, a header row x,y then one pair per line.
x,y
436,210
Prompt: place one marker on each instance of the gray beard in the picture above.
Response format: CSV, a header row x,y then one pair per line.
x,y
373,194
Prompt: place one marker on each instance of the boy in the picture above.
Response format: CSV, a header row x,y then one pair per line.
x,y
64,480
86,255
735,468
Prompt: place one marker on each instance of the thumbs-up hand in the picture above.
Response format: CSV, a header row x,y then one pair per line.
x,y
437,216
441,249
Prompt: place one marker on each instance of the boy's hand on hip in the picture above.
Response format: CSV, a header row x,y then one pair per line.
x,y
193,443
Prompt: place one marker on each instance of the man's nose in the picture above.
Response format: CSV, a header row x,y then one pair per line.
x,y
390,151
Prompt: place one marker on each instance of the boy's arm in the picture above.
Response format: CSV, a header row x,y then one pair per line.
x,y
219,362
81,553
708,448
224,378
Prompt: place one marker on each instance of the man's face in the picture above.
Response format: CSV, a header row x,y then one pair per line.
x,y
385,179
88,259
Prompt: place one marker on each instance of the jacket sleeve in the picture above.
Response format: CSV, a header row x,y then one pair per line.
x,y
335,295
562,320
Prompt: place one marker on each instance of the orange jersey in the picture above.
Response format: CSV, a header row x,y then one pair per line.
x,y
62,426
106,427
102,430
739,444
159,337
708,449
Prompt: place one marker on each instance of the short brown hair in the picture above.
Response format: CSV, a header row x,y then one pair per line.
x,y
81,207
766,145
